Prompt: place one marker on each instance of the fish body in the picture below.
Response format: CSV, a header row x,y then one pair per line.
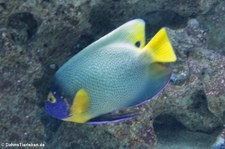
x,y
113,73
220,141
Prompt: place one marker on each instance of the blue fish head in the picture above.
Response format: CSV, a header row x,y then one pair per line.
x,y
57,106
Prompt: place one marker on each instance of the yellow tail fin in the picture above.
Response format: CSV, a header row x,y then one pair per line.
x,y
160,48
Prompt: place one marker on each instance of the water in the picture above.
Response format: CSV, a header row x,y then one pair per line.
x,y
38,36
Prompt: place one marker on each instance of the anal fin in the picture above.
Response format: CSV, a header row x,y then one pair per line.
x,y
109,118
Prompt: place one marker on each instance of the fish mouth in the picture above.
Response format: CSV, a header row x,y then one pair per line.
x,y
54,112
47,108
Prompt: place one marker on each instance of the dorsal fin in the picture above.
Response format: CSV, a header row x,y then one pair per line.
x,y
132,32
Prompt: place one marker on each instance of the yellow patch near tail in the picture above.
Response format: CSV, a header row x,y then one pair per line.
x,y
79,108
160,48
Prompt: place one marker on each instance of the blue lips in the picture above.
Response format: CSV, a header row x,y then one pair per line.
x,y
57,110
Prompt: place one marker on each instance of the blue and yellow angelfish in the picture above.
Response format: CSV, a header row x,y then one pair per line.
x,y
115,72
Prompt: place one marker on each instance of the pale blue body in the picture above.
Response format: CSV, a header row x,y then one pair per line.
x,y
115,76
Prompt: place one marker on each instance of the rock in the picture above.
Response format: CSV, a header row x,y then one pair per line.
x,y
214,85
213,23
84,136
38,36
52,66
172,134
193,103
22,24
193,23
20,121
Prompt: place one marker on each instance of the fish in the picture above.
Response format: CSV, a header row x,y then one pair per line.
x,y
220,141
117,71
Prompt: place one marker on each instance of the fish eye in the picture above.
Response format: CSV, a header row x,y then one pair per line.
x,y
51,98
137,44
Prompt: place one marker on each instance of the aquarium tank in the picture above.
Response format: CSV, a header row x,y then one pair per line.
x,y
112,74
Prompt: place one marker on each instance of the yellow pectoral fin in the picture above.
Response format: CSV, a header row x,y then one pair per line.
x,y
160,49
79,108
81,102
79,118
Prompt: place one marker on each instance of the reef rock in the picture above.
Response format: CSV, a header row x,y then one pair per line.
x,y
38,36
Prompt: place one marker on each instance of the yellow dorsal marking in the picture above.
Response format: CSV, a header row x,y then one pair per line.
x,y
160,49
79,108
134,32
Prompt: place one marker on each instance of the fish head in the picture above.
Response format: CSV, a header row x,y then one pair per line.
x,y
57,106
